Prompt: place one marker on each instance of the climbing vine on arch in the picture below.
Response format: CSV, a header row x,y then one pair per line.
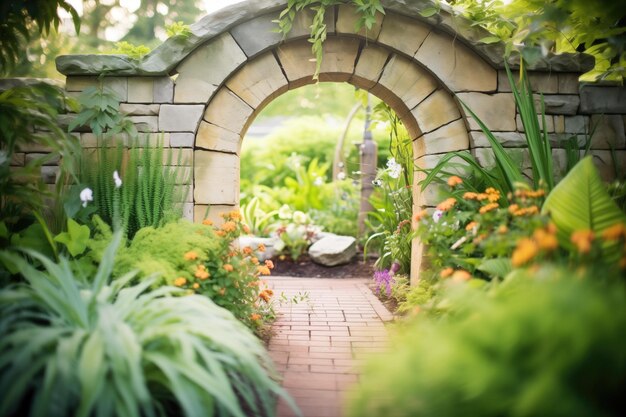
x,y
366,10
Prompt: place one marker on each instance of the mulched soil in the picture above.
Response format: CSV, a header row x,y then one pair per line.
x,y
305,267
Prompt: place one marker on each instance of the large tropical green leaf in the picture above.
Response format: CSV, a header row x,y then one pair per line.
x,y
580,201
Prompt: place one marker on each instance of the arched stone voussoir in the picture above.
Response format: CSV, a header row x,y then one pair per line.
x,y
403,33
228,111
369,66
202,72
436,110
458,67
408,80
216,178
347,18
259,79
298,62
448,138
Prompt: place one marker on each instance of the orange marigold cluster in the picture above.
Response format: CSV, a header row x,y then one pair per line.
x,y
269,264
453,181
207,222
582,239
615,232
488,207
201,272
261,247
446,272
421,214
529,193
180,281
471,226
263,270
518,211
229,226
524,252
190,256
447,204
255,317
247,250
493,195
228,268
266,295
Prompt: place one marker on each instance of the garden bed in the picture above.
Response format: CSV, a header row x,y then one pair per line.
x,y
305,267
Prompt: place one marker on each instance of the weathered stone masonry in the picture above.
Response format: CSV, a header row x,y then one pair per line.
x,y
204,92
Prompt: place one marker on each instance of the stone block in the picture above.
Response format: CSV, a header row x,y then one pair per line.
x,y
407,80
216,138
149,140
188,211
119,85
403,33
603,160
540,82
506,139
228,111
145,123
258,80
140,109
80,83
18,159
211,212
183,194
568,83
435,111
559,124
576,124
216,178
178,157
163,90
458,67
496,111
608,132
347,18
140,90
50,161
180,117
88,140
602,100
558,104
200,74
369,66
549,128
448,138
49,174
182,140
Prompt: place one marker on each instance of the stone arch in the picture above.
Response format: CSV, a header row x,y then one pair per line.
x,y
210,87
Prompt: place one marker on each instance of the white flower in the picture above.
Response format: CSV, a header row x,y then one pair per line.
x,y
117,179
86,196
437,215
284,212
299,217
318,181
377,183
341,176
393,168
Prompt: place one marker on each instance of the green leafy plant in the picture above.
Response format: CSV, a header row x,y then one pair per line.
x,y
72,345
513,350
75,239
256,218
135,52
178,29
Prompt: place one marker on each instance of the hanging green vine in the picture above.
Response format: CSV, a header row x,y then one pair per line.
x,y
366,10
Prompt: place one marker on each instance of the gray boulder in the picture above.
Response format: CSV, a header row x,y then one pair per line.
x,y
333,250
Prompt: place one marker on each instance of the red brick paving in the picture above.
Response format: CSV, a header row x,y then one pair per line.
x,y
318,343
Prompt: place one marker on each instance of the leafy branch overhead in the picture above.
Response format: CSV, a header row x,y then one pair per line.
x,y
366,10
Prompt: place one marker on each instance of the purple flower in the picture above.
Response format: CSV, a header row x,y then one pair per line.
x,y
395,267
385,278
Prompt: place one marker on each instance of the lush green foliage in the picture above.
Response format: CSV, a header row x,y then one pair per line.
x,y
76,345
135,52
203,260
543,343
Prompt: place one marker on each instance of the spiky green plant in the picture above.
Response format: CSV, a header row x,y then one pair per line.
x,y
91,346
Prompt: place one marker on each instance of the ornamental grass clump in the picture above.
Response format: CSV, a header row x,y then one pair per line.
x,y
98,347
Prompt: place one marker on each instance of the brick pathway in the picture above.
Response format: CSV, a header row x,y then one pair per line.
x,y
318,343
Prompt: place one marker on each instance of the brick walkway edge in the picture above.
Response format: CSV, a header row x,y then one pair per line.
x,y
318,343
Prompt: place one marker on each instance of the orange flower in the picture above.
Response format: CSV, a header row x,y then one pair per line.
x,y
254,260
502,229
207,222
261,247
269,264
446,204
229,226
525,251
482,196
190,256
266,295
195,285
582,240
446,272
551,228
201,272
461,275
246,229
419,216
615,232
228,268
488,207
263,270
513,208
470,196
471,225
247,250
453,181
221,291
254,284
220,233
255,317
545,240
235,215
180,281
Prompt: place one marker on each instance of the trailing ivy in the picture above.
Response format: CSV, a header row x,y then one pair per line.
x,y
366,10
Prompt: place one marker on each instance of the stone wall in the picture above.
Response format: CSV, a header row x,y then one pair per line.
x,y
204,92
